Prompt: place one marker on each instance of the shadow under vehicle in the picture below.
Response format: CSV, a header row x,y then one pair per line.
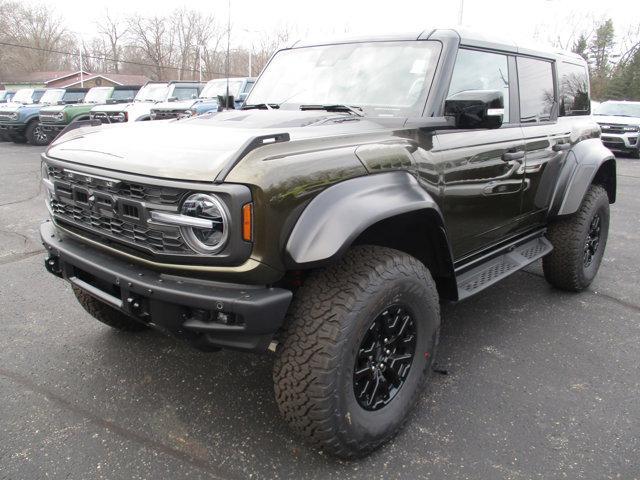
x,y
363,182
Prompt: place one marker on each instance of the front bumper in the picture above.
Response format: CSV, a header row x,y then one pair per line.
x,y
207,314
11,129
52,127
626,141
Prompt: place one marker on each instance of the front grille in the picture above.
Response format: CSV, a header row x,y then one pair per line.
x,y
614,129
5,115
48,118
166,241
131,190
166,114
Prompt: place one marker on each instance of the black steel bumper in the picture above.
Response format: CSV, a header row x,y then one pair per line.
x,y
207,314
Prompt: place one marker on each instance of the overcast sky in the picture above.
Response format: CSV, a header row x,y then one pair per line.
x,y
526,21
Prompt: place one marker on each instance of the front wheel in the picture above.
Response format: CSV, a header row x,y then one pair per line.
x,y
578,243
358,345
36,135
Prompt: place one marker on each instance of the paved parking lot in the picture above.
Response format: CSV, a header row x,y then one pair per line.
x,y
540,384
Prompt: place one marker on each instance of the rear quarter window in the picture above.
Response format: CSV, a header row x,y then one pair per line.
x,y
537,92
574,89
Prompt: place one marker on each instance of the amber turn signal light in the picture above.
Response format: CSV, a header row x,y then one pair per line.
x,y
247,222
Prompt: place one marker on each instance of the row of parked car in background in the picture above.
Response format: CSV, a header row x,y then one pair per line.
x,y
38,115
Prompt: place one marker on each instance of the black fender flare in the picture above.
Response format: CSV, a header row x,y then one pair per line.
x,y
581,165
340,214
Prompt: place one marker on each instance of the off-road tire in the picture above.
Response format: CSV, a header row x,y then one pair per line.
x,y
106,314
35,135
564,267
327,320
635,153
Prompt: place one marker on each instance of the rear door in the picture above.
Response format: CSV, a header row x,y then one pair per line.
x,y
546,139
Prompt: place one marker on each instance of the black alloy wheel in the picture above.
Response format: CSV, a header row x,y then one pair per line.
x,y
384,358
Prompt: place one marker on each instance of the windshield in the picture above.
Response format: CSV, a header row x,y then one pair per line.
x,y
53,95
98,95
153,92
120,94
23,95
219,87
619,109
383,78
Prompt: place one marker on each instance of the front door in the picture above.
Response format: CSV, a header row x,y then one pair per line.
x,y
480,173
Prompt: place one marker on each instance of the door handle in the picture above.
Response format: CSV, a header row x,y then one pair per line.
x,y
508,156
559,147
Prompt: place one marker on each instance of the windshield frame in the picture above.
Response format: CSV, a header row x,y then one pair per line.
x,y
377,111
620,105
61,92
30,95
223,82
139,95
102,99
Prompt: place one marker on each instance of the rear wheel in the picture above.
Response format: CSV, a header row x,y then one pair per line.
x,y
578,243
36,135
636,153
357,347
106,314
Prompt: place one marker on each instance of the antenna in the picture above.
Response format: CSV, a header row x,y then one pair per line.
x,y
228,43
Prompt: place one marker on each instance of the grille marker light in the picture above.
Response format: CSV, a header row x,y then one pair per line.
x,y
247,222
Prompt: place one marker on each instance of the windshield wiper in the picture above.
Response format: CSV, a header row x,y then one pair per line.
x,y
260,106
335,108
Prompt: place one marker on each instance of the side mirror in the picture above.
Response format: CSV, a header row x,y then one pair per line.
x,y
172,99
476,108
194,96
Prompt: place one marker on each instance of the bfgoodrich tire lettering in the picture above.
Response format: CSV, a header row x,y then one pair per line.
x,y
566,266
328,319
106,314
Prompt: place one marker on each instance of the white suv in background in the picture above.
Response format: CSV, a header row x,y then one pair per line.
x,y
620,125
147,97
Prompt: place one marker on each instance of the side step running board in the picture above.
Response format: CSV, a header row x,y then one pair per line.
x,y
494,270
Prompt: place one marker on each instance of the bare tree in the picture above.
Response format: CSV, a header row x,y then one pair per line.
x,y
113,31
156,40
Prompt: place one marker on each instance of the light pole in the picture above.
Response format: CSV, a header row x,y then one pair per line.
x,y
250,50
461,12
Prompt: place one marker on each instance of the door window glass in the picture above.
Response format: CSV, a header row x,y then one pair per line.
x,y
537,95
574,89
476,70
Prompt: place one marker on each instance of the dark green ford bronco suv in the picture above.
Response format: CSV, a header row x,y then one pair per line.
x,y
363,183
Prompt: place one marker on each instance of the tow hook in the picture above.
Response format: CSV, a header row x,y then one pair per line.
x,y
52,264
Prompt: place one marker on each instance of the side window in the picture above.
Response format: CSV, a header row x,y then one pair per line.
x,y
476,70
537,93
37,96
574,90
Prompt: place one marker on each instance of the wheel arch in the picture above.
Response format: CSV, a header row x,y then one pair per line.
x,y
386,209
587,163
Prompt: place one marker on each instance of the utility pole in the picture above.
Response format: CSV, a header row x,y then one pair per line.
x,y
461,12
199,63
228,49
81,62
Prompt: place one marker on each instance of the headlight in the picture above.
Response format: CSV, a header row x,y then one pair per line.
x,y
15,115
120,117
212,236
60,116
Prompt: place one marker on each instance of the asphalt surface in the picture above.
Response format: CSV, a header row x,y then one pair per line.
x,y
540,384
